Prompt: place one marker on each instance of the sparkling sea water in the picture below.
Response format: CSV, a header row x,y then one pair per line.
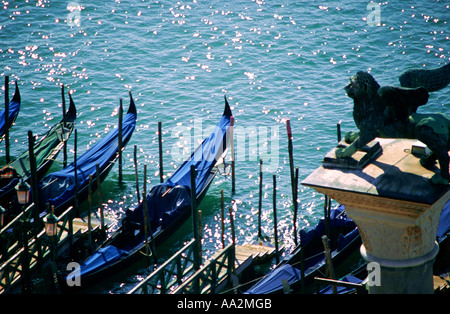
x,y
274,60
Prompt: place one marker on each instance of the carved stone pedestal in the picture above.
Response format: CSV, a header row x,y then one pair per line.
x,y
397,211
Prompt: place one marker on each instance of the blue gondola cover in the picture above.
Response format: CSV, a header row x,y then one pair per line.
x,y
444,222
168,200
59,187
204,158
14,108
107,254
164,203
273,282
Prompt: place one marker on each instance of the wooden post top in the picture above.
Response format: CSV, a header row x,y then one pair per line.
x,y
394,172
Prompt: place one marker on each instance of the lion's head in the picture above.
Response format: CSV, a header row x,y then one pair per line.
x,y
367,105
362,85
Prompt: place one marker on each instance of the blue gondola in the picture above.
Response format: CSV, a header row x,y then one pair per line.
x,y
341,228
45,152
58,188
168,204
358,276
14,108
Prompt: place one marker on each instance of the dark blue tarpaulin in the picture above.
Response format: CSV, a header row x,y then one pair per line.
x,y
273,282
172,197
107,254
204,158
166,201
338,218
14,107
164,204
59,187
341,289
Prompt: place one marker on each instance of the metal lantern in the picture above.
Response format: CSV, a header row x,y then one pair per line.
x,y
2,216
51,225
23,192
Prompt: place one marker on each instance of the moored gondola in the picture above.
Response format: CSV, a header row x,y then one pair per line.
x,y
57,189
45,150
311,254
168,207
359,275
13,112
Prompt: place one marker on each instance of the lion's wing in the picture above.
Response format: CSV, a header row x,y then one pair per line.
x,y
404,101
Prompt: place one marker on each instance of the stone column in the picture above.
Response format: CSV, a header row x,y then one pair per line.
x,y
396,209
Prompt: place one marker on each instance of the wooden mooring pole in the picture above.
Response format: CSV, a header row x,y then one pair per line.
x,y
338,126
161,170
260,198
293,176
222,232
146,231
89,213
326,214
99,191
275,222
195,224
233,164
120,139
34,183
75,166
329,261
296,206
7,119
136,174
64,125
233,234
147,223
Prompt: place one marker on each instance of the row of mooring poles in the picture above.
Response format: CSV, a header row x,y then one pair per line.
x,y
294,185
148,234
222,219
197,218
100,205
275,218
196,214
98,174
32,157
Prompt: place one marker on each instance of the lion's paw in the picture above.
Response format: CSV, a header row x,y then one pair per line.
x,y
342,152
350,136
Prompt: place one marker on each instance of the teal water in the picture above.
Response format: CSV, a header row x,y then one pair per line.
x,y
273,59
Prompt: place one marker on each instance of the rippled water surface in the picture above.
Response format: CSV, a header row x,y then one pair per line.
x,y
273,59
